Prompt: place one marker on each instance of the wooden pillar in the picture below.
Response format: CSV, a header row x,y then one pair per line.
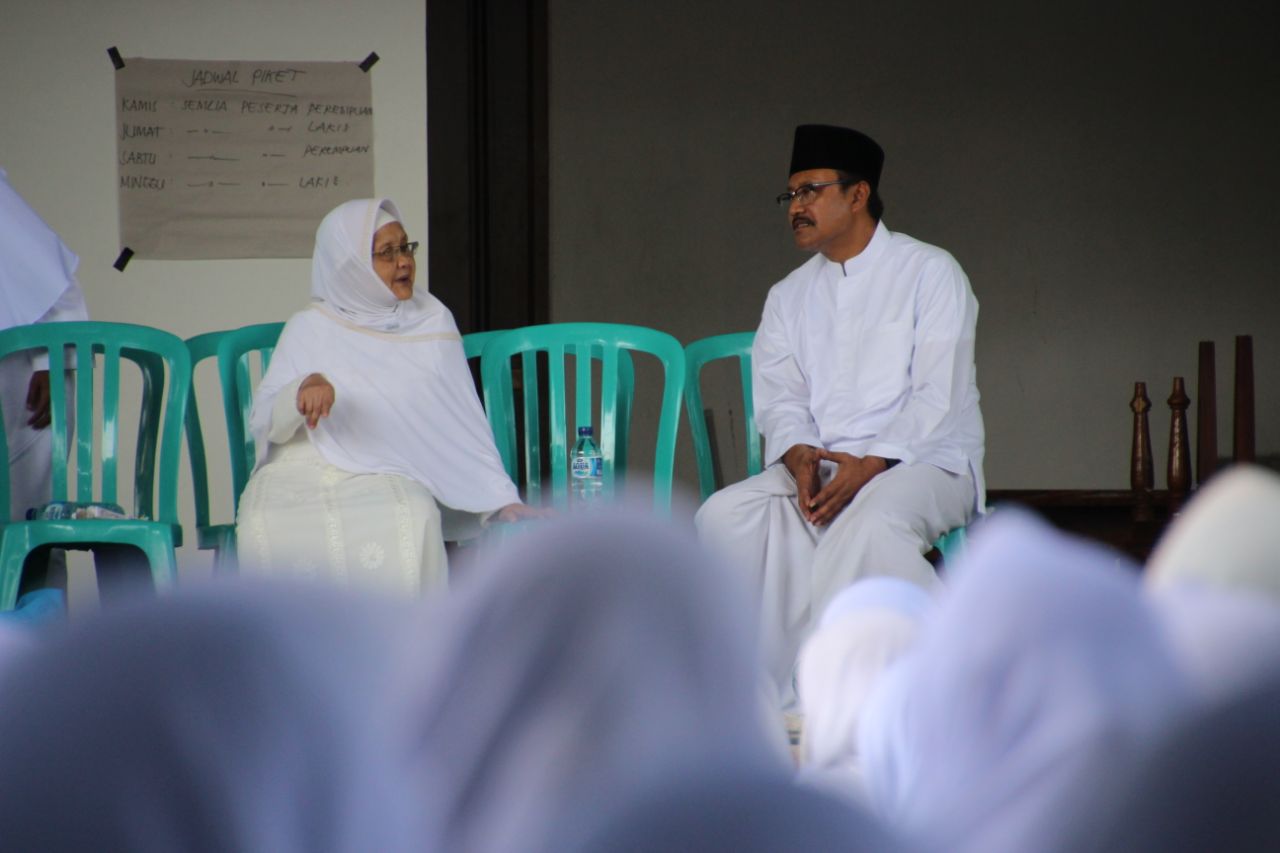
x,y
1141,473
1206,415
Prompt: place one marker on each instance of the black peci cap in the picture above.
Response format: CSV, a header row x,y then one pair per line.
x,y
824,146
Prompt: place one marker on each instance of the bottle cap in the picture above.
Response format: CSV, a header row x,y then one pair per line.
x,y
587,431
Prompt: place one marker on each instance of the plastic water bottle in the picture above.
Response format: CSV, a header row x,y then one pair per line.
x,y
587,470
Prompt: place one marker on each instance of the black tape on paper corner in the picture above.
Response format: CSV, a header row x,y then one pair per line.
x,y
115,57
369,62
123,261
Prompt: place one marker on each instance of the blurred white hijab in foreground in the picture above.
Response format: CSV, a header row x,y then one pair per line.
x,y
863,630
1228,536
595,656
1041,668
248,717
1215,580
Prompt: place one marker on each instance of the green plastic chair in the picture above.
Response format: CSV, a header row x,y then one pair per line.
x,y
237,400
697,355
235,351
609,343
738,345
473,345
951,544
473,342
216,537
165,367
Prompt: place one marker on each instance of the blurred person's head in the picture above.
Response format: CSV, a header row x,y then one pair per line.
x,y
862,632
1211,785
1227,537
734,810
594,655
1040,670
250,717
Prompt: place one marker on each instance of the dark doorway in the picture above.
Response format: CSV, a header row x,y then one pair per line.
x,y
487,160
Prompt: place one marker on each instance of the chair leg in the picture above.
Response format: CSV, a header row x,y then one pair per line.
x,y
12,557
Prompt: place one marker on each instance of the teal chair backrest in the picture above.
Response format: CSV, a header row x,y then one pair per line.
x,y
235,352
94,348
611,345
697,355
200,347
473,342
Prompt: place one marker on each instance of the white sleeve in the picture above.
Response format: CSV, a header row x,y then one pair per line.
x,y
70,306
941,366
779,389
277,393
285,417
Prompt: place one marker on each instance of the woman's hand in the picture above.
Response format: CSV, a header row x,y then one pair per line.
x,y
315,399
512,513
38,400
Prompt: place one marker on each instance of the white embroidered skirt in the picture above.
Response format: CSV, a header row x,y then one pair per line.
x,y
302,517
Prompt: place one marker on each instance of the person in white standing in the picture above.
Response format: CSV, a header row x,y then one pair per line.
x,y
37,285
865,391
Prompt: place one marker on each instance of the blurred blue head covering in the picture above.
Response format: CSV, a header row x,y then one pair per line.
x,y
597,655
1041,669
242,717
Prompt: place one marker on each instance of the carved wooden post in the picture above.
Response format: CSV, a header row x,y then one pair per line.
x,y
1206,415
1178,472
1140,471
1242,443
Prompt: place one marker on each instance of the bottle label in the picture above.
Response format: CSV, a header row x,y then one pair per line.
x,y
587,466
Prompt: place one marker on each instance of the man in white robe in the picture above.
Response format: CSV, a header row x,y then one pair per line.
x,y
865,392
37,285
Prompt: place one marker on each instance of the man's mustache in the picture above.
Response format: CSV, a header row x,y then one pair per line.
x,y
800,220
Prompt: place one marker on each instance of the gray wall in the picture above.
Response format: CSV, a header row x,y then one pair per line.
x,y
1107,177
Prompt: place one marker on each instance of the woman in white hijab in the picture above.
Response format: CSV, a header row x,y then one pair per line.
x,y
1040,670
1215,580
37,285
595,658
244,717
863,630
372,445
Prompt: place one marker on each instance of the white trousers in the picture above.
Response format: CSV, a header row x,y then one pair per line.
x,y
797,568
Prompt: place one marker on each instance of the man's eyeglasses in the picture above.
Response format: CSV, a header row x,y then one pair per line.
x,y
391,253
806,193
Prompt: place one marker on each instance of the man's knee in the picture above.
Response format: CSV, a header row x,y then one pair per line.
x,y
879,518
715,515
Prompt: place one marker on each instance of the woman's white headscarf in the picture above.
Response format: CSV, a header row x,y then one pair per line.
x,y
1228,536
36,267
1040,669
597,656
343,278
405,400
243,717
1215,580
863,630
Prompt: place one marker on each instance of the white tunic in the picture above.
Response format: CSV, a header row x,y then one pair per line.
x,y
873,357
302,517
870,357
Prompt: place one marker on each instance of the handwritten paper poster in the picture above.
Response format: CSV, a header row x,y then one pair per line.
x,y
238,159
